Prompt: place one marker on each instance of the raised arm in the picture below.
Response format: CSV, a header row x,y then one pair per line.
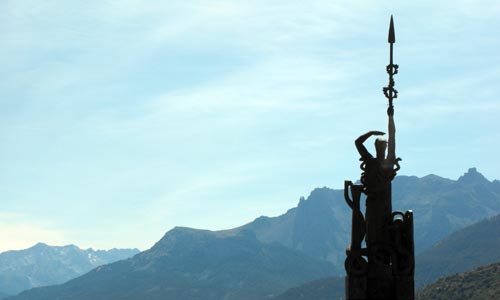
x,y
359,143
391,153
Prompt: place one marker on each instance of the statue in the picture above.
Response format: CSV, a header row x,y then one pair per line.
x,y
385,268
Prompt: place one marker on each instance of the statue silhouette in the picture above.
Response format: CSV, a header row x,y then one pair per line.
x,y
383,270
376,179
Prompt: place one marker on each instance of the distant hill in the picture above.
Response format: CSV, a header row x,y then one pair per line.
x,y
320,225
43,265
331,288
193,264
471,247
479,284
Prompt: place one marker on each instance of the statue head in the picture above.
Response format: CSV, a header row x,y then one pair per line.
x,y
380,147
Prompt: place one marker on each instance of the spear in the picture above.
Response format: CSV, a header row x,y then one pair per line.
x,y
392,37
391,94
392,69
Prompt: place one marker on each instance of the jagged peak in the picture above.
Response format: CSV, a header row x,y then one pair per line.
x,y
319,191
41,245
472,176
44,245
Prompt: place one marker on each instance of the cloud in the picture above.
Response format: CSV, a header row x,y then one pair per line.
x,y
129,116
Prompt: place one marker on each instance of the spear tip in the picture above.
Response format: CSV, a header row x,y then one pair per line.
x,y
392,36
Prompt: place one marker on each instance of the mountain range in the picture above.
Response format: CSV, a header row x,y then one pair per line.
x,y
320,226
194,264
43,265
264,258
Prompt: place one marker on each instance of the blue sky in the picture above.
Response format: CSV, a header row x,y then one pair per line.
x,y
122,119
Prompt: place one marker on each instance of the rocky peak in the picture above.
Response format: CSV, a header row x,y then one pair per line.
x,y
472,176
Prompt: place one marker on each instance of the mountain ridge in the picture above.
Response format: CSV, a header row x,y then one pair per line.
x,y
42,265
315,231
194,264
320,226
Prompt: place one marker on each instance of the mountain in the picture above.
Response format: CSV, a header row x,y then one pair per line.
x,y
43,265
194,264
479,284
266,257
471,247
330,288
320,225
442,206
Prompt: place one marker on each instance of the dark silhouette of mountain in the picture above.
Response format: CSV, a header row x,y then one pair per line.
x,y
43,265
474,246
320,225
3,295
479,284
193,264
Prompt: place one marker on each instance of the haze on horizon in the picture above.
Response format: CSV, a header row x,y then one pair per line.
x,y
120,120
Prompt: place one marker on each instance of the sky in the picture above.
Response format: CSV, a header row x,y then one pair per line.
x,y
120,120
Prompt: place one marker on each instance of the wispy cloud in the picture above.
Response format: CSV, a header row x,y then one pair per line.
x,y
128,115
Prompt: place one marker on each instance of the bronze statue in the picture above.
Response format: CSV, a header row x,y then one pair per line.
x,y
385,268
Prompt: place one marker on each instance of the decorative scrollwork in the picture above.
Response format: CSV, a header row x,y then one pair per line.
x,y
392,69
355,263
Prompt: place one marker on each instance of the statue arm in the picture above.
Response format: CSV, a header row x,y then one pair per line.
x,y
359,143
391,153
